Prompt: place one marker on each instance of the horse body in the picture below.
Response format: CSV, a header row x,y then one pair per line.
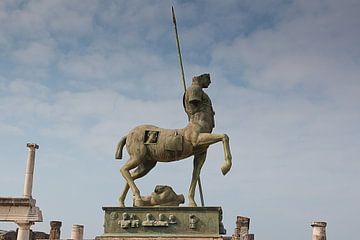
x,y
149,144
157,151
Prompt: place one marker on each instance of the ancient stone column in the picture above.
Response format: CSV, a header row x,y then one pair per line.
x,y
29,174
55,230
242,228
77,232
23,231
319,232
249,237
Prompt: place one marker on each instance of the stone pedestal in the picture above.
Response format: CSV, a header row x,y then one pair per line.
x,y
19,210
157,238
22,211
162,223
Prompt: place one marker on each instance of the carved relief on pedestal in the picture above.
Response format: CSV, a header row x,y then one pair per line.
x,y
193,220
162,222
129,221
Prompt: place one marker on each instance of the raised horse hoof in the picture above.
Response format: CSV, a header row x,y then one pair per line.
x,y
138,203
225,168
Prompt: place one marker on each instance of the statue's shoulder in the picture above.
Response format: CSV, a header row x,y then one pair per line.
x,y
193,87
194,92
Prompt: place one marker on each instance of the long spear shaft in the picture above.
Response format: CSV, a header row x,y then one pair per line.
x,y
184,86
178,48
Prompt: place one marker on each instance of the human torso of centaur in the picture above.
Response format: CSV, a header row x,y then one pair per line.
x,y
199,108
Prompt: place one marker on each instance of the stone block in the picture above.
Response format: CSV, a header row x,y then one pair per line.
x,y
19,210
164,222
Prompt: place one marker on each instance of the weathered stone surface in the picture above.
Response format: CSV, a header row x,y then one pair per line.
x,y
163,222
242,228
19,210
55,230
319,230
77,232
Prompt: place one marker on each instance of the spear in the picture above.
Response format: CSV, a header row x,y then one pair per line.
x,y
184,86
178,48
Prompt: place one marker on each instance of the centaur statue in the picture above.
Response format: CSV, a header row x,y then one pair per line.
x,y
148,144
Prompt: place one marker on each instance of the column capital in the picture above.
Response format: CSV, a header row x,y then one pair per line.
x,y
55,223
318,224
24,225
32,145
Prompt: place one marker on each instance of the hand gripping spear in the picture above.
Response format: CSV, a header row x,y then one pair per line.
x,y
184,86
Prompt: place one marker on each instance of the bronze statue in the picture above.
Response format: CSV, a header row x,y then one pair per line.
x,y
148,144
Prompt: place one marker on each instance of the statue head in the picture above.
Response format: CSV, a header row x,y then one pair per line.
x,y
202,80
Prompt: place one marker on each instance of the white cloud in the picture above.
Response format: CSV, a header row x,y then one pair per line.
x,y
310,49
35,54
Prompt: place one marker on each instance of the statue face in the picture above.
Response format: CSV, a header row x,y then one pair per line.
x,y
205,81
202,80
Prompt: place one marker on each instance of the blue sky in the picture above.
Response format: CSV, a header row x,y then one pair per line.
x,y
75,76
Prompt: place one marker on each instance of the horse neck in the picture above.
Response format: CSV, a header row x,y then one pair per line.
x,y
203,129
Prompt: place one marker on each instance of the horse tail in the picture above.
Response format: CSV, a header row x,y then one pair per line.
x,y
119,148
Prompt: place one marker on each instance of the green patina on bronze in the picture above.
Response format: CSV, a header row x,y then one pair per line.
x,y
163,221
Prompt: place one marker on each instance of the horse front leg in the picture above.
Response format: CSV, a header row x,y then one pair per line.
x,y
209,138
225,168
199,160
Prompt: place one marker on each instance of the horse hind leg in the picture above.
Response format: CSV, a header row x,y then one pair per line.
x,y
127,187
199,160
132,163
139,172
